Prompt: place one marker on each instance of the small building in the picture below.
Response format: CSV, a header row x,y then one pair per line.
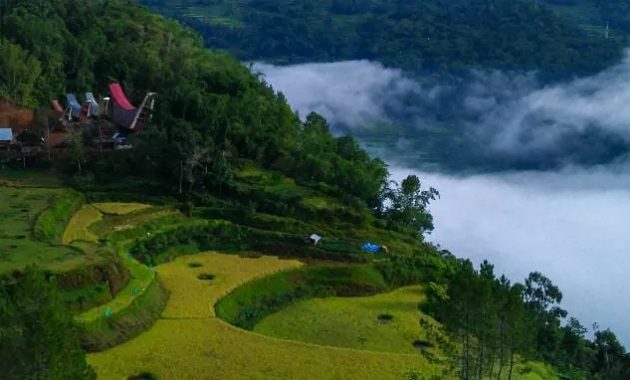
x,y
6,138
314,239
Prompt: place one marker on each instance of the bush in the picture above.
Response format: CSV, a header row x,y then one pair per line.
x,y
51,223
401,270
107,332
223,235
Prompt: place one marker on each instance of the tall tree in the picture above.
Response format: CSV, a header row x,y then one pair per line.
x,y
38,337
19,72
408,211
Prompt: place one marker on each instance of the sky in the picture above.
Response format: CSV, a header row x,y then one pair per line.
x,y
569,223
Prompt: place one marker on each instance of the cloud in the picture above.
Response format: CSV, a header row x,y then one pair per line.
x,y
349,94
497,115
569,225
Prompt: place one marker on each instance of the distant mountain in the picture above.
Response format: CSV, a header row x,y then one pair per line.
x,y
559,38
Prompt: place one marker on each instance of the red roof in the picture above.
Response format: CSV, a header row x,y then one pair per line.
x,y
119,96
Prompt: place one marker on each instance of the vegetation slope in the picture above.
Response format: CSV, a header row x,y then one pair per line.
x,y
225,148
418,36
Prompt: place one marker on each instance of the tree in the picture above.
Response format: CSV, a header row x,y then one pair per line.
x,y
611,360
77,152
408,211
38,337
19,71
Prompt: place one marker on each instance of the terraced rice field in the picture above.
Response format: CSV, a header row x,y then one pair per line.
x,y
116,208
19,208
77,228
189,342
141,278
384,322
82,227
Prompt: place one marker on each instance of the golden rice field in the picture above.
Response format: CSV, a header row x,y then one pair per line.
x,y
116,208
189,342
354,322
77,228
194,298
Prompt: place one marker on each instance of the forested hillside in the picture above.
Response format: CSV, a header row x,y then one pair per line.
x,y
211,109
596,14
415,35
247,175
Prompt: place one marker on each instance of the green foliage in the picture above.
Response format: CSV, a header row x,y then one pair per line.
x,y
419,35
38,339
19,72
212,111
406,269
227,236
408,210
77,300
320,158
51,223
495,322
250,303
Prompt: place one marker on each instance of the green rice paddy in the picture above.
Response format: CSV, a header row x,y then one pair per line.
x,y
19,208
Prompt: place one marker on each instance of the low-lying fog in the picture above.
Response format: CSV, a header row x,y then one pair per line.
x,y
570,224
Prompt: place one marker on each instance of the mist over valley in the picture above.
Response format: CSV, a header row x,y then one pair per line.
x,y
566,219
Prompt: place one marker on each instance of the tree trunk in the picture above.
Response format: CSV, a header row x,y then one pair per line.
x,y
79,167
492,362
181,175
463,376
511,364
501,357
480,370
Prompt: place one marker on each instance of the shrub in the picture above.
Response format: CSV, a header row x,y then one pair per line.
x,y
51,223
107,332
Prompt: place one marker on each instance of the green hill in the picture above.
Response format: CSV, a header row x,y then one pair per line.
x,y
416,35
227,166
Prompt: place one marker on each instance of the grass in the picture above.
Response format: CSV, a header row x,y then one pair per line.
x,y
117,208
20,208
353,322
189,342
77,228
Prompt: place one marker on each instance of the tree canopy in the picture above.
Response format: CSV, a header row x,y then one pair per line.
x,y
418,35
212,111
38,336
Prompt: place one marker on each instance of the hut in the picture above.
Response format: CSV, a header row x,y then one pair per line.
x,y
6,138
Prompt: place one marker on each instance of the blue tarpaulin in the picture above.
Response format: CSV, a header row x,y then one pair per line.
x,y
371,247
6,134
